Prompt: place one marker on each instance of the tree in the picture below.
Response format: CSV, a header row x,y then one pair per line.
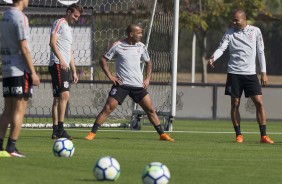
x,y
204,16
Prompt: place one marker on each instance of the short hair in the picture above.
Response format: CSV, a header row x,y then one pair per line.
x,y
130,28
74,7
241,11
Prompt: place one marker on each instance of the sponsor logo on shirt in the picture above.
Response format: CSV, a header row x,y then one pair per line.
x,y
17,90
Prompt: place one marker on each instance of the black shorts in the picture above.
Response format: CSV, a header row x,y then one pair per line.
x,y
20,86
120,92
60,79
236,84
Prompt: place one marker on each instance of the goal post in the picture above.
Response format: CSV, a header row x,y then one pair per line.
x,y
165,22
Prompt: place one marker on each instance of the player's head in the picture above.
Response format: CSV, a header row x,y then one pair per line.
x,y
134,33
73,13
22,3
239,19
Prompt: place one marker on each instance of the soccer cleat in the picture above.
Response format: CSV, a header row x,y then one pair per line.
x,y
63,134
4,153
266,139
16,153
239,139
166,137
90,136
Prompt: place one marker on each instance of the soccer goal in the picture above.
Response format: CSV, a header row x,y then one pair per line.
x,y
103,23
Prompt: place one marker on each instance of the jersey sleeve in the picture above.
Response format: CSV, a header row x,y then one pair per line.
x,y
57,27
111,52
145,55
260,51
22,25
222,46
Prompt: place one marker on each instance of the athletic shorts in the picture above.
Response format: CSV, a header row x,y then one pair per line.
x,y
60,79
120,92
20,86
236,84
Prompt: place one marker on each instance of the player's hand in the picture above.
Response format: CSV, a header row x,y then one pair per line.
x,y
75,78
116,80
146,83
63,65
35,79
263,79
210,62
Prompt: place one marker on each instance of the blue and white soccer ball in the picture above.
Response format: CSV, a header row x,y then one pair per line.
x,y
106,168
155,173
63,147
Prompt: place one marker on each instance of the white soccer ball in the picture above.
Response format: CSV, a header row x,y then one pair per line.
x,y
63,147
155,173
106,168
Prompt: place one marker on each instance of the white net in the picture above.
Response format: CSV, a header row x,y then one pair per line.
x,y
103,23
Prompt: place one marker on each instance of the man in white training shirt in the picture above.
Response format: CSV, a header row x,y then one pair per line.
x,y
128,55
61,62
18,74
244,42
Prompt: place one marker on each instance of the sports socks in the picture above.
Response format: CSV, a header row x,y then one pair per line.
x,y
237,130
262,129
159,129
1,144
60,126
55,128
95,128
11,145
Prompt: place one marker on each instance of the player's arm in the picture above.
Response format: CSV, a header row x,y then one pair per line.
x,y
219,51
28,59
148,70
73,69
106,70
55,50
261,57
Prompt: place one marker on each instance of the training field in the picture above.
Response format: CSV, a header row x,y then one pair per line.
x,y
204,152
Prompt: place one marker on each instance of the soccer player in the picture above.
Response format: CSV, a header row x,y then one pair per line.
x,y
18,74
61,62
244,42
128,55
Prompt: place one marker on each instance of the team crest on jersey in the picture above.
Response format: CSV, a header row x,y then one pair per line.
x,y
17,90
113,91
66,84
6,90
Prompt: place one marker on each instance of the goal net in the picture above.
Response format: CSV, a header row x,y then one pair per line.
x,y
103,22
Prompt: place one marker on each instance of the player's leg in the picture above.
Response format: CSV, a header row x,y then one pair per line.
x,y
108,108
5,120
234,89
62,105
117,95
18,111
60,85
254,91
55,117
147,106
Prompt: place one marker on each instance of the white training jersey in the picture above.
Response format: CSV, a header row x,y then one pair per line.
x,y
14,28
63,31
243,46
128,59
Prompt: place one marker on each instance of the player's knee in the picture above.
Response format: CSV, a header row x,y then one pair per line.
x,y
65,96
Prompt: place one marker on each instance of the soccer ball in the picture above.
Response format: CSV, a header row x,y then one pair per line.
x,y
156,173
106,168
63,147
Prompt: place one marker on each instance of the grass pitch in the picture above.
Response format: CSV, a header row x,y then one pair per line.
x,y
204,153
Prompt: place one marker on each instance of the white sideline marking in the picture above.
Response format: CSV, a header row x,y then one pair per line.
x,y
148,131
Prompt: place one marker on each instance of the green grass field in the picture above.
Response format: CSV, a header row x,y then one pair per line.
x,y
204,152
